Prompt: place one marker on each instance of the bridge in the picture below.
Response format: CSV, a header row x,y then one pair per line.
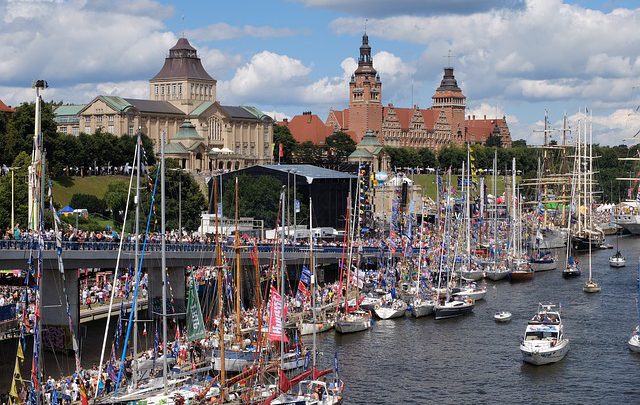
x,y
15,254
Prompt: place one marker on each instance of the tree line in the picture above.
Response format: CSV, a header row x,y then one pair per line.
x,y
333,153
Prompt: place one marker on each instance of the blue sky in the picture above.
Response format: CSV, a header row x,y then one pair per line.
x,y
512,57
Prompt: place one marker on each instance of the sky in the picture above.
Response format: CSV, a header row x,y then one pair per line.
x,y
513,58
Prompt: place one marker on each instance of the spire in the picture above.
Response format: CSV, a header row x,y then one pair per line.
x,y
449,82
365,61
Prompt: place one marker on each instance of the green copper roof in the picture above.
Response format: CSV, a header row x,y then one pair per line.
x,y
370,139
72,109
187,131
201,108
175,148
117,103
253,110
360,153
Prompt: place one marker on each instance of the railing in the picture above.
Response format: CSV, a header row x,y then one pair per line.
x,y
170,247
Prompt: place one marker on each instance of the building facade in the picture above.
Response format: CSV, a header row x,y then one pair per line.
x,y
202,134
440,125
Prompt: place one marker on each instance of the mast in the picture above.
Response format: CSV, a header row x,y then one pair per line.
x,y
495,209
348,263
238,272
219,268
468,210
513,208
313,283
283,268
163,238
579,178
137,264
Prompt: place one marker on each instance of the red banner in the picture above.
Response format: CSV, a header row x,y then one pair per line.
x,y
280,150
275,315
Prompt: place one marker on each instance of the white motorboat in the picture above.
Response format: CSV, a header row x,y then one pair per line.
x,y
309,328
368,302
389,310
617,260
502,316
453,308
634,341
471,291
544,340
422,307
497,273
356,321
544,263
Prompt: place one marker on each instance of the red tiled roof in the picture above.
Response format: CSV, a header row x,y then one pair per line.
x,y
342,117
430,116
480,130
308,127
4,108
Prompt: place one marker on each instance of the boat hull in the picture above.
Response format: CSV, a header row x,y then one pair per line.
x,y
308,328
634,343
571,273
234,361
544,265
617,262
541,356
497,275
521,276
353,325
590,287
473,275
389,312
422,309
449,310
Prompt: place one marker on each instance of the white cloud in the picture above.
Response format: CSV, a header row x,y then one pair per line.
x,y
491,111
546,46
221,31
277,115
419,7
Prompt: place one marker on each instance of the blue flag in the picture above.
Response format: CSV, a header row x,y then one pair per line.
x,y
305,277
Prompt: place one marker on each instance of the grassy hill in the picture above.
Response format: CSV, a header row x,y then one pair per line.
x,y
65,187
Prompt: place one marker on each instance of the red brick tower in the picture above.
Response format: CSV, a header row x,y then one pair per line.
x,y
449,98
365,95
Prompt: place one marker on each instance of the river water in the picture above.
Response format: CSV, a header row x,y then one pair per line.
x,y
473,359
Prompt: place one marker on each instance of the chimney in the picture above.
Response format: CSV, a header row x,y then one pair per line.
x,y
474,117
285,120
485,117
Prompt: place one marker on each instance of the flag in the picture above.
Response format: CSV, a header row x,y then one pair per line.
x,y
277,311
283,382
305,276
83,394
280,150
54,396
16,376
307,360
144,331
156,345
20,353
195,325
303,294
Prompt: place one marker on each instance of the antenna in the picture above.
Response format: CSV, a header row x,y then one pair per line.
x,y
448,56
182,25
365,25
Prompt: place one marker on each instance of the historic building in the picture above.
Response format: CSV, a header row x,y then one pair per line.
x,y
442,124
202,134
5,108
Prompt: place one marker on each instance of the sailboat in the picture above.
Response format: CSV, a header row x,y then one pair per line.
x,y
634,341
353,319
591,286
448,306
617,260
520,267
496,270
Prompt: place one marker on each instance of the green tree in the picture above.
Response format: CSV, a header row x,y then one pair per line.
x,y
339,146
21,163
308,153
90,202
519,143
115,199
258,198
427,158
493,141
452,156
21,127
282,135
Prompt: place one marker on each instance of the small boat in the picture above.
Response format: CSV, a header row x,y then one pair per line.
x,y
355,321
390,310
591,287
522,271
472,275
422,307
453,308
544,341
307,327
502,316
471,291
572,269
497,273
544,262
617,260
605,246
